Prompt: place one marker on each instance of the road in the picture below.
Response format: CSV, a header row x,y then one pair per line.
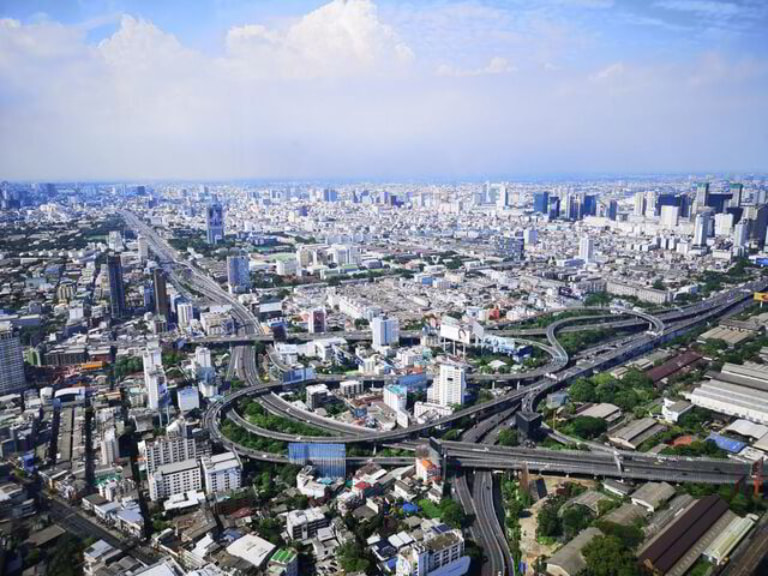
x,y
76,522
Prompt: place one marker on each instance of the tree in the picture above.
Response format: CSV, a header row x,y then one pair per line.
x,y
575,519
548,522
607,556
582,390
452,513
352,557
508,437
588,427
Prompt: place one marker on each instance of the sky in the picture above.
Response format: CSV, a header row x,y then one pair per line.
x,y
232,89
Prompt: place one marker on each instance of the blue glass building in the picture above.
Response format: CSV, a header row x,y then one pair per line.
x,y
330,460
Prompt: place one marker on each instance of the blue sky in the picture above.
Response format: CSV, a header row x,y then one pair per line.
x,y
282,89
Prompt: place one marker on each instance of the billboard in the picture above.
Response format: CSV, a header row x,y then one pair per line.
x,y
452,329
761,261
761,296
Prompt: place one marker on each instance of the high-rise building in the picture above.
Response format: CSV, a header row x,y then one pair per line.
x,y
450,386
541,202
737,189
701,228
758,216
590,205
143,249
385,331
554,207
670,216
316,320
651,209
167,450
222,472
214,222
741,234
702,196
160,294
116,289
530,237
639,203
503,199
612,211
154,378
171,479
587,249
11,361
186,313
238,273
396,397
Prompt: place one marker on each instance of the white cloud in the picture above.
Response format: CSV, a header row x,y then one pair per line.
x,y
338,92
703,7
496,65
342,38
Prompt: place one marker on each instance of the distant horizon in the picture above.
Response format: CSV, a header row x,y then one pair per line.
x,y
520,179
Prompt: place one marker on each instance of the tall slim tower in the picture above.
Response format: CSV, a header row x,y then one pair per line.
x,y
701,229
162,306
214,221
116,288
11,361
587,249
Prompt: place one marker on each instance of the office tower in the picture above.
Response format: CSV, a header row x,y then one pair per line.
x,y
741,234
502,200
724,224
541,202
11,361
639,203
702,196
701,228
450,386
214,222
385,331
316,320
590,205
670,216
143,249
186,313
567,204
554,207
238,273
530,237
650,204
115,241
613,210
587,249
154,378
160,294
737,189
116,288
330,460
758,215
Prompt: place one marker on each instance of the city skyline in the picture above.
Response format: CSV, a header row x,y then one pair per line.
x,y
381,90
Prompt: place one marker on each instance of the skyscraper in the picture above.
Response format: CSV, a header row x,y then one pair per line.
x,y
502,200
612,212
11,361
154,378
385,331
160,294
639,203
450,386
587,249
702,196
143,249
590,205
554,207
701,228
541,202
238,273
737,189
116,288
214,222
316,320
741,234
186,313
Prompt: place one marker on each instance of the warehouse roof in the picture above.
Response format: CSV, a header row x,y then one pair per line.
x,y
568,560
748,429
675,364
653,494
673,543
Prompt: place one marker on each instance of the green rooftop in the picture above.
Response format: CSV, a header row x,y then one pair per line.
x,y
283,556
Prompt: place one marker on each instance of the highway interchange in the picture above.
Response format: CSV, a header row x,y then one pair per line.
x,y
475,453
